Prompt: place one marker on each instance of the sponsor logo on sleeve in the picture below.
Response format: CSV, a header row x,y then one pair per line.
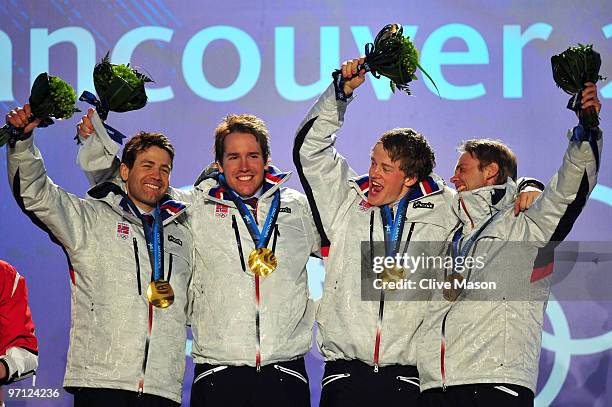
x,y
425,205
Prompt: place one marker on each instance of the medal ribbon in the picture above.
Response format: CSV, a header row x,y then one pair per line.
x,y
458,251
260,238
154,237
393,229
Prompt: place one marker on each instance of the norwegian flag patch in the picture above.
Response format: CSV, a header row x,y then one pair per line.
x,y
221,211
364,205
123,230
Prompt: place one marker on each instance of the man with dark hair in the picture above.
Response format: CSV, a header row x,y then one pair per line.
x,y
252,319
482,347
125,348
18,344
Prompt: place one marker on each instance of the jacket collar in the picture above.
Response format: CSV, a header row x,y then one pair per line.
x,y
432,184
209,183
116,197
476,206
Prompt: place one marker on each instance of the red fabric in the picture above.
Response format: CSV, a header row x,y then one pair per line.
x,y
16,325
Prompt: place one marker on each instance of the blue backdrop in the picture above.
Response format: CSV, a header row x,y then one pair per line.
x,y
490,61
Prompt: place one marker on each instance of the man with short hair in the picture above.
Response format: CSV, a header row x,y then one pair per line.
x,y
124,247
18,344
252,320
482,347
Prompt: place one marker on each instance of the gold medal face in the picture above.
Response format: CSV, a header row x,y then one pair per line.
x,y
160,294
262,261
392,274
451,294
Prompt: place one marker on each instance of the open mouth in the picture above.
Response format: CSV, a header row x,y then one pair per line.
x,y
375,187
244,178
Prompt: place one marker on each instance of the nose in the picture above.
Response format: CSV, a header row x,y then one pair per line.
x,y
156,173
374,171
243,164
454,178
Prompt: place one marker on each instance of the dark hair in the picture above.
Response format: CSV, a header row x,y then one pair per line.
x,y
488,151
243,123
411,149
142,141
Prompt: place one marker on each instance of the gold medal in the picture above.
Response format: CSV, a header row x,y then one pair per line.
x,y
160,294
262,261
392,274
451,294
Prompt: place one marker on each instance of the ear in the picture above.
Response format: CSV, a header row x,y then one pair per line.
x,y
490,173
409,181
219,166
267,164
124,172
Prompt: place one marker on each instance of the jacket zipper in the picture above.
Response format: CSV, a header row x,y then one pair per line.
x,y
257,332
146,352
238,242
462,203
137,265
169,268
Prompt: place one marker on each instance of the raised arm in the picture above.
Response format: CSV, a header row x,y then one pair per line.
x,y
323,172
553,214
64,216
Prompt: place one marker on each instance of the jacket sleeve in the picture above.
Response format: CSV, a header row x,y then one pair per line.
x,y
18,344
64,216
553,214
97,155
323,172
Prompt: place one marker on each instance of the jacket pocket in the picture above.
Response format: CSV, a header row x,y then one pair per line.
x,y
208,373
412,380
291,373
332,378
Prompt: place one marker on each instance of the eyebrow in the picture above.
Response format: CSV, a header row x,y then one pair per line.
x,y
237,154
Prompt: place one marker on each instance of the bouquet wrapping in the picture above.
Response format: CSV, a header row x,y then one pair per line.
x,y
50,98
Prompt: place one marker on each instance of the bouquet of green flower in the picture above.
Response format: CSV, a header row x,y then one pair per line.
x,y
393,56
120,89
50,98
571,70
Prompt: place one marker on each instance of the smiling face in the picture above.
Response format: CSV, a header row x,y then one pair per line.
x,y
388,183
469,176
243,163
148,179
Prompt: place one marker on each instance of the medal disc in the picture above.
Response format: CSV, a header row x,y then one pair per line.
x,y
392,274
451,294
160,294
262,261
